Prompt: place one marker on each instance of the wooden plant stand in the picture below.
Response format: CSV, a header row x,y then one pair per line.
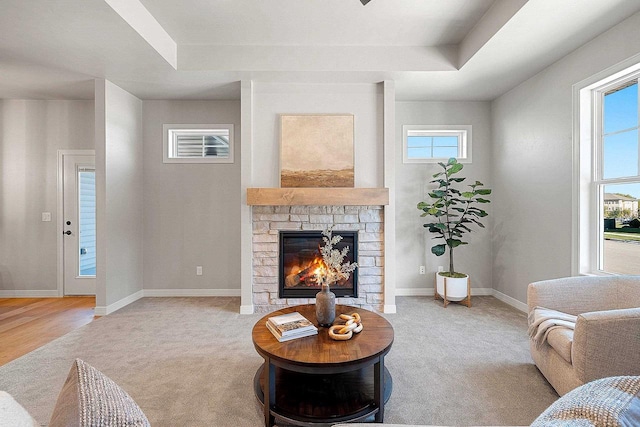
x,y
436,296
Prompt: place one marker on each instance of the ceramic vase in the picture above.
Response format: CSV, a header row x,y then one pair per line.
x,y
325,306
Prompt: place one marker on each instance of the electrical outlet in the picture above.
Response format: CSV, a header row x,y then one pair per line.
x,y
199,270
423,269
46,216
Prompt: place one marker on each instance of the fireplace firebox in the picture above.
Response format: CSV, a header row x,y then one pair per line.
x,y
300,257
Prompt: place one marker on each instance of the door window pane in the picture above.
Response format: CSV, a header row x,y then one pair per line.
x,y
87,222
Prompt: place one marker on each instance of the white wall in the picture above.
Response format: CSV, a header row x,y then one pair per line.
x,y
532,163
119,201
413,241
191,211
31,132
362,100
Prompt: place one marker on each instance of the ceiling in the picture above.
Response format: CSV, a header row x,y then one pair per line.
x,y
200,49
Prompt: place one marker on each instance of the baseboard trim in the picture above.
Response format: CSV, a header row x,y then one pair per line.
x,y
29,293
511,301
191,292
103,311
428,292
246,309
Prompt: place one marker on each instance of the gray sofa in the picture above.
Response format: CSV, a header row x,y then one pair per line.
x,y
606,339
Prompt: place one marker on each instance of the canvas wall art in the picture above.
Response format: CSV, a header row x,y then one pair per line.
x,y
316,150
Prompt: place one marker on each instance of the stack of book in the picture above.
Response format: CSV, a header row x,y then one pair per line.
x,y
290,326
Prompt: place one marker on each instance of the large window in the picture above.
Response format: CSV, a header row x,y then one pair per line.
x,y
432,144
618,177
609,181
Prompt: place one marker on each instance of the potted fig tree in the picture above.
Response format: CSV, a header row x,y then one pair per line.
x,y
454,211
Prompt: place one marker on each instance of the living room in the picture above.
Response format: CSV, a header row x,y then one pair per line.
x,y
160,221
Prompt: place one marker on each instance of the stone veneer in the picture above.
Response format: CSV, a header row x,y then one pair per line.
x,y
269,220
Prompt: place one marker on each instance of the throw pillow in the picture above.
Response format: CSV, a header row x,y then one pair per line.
x,y
12,414
607,402
90,399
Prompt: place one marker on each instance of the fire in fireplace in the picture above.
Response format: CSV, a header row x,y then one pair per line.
x,y
300,258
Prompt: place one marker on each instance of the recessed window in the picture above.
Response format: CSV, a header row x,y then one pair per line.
x,y
198,143
607,221
432,144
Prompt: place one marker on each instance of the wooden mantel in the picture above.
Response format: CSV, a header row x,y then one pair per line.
x,y
317,196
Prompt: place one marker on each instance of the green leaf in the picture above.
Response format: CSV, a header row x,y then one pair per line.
x,y
457,179
468,194
483,191
454,169
438,250
438,194
454,243
452,161
481,200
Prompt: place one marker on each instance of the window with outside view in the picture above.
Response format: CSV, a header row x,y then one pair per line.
x,y
618,179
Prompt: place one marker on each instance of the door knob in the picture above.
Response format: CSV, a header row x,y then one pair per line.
x,y
68,232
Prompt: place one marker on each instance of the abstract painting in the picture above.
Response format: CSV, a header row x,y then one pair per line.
x,y
316,150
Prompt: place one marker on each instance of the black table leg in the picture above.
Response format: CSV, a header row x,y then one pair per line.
x,y
378,389
269,392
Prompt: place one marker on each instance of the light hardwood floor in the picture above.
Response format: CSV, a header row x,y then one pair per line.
x,y
29,323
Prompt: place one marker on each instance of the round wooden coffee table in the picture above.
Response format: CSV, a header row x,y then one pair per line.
x,y
316,381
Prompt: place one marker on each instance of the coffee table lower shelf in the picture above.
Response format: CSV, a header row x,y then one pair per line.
x,y
318,400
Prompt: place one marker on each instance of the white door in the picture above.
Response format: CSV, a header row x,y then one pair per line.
x,y
79,224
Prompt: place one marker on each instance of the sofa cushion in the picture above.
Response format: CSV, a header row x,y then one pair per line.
x,y
612,401
12,414
561,340
89,398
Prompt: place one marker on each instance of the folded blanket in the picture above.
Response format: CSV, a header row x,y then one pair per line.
x,y
544,320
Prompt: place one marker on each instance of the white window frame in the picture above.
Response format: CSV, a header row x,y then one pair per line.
x,y
588,185
171,131
462,132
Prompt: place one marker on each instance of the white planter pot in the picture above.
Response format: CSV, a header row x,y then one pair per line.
x,y
456,287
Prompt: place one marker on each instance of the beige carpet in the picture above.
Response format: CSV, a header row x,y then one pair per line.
x,y
190,362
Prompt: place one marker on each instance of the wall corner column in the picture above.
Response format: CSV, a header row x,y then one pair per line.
x,y
389,173
246,177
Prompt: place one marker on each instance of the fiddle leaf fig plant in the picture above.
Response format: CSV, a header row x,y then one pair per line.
x,y
453,210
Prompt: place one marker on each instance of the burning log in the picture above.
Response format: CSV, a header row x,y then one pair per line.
x,y
299,277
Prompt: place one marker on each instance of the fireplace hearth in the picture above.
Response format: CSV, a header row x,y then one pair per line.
x,y
300,259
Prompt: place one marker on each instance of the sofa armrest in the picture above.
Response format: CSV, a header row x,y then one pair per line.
x,y
583,294
607,343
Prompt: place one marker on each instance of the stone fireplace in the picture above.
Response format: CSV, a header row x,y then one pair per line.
x,y
268,221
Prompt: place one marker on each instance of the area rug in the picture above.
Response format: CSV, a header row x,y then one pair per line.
x,y
191,362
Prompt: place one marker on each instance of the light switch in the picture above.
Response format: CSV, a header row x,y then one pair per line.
x,y
46,216
199,270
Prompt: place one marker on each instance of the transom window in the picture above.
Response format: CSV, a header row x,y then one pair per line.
x,y
198,143
432,144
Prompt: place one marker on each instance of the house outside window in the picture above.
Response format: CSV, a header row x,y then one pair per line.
x,y
609,175
191,143
433,144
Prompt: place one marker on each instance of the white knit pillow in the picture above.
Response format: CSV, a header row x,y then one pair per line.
x,y
90,399
607,402
12,414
